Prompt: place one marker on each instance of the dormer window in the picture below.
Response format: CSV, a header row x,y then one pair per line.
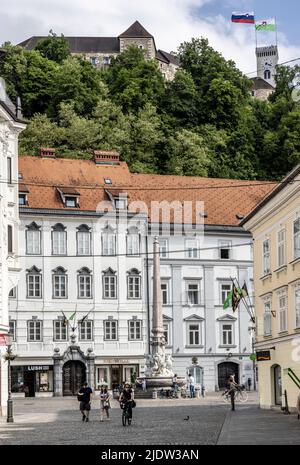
x,y
120,203
69,196
108,181
23,199
23,192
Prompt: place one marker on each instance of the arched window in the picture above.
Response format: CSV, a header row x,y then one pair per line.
x,y
267,74
84,283
33,239
83,240
133,284
60,283
59,240
109,284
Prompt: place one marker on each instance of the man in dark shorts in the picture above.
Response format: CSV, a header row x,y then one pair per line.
x,y
127,396
84,395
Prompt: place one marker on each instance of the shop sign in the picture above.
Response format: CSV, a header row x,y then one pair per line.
x,y
39,368
263,355
117,361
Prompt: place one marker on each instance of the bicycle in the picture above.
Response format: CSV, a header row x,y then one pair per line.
x,y
125,414
240,395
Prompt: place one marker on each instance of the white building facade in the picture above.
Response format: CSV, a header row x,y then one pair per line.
x,y
10,127
83,307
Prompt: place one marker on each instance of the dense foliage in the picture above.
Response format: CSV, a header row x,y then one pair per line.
x,y
203,123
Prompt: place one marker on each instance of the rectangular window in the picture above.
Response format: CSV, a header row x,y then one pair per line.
x,y
135,330
12,329
133,244
59,286
84,286
22,199
70,202
33,242
86,331
282,313
59,242
227,334
165,292
297,239
109,287
297,308
225,250
34,331
83,243
10,239
9,170
225,290
164,248
34,286
60,331
108,244
191,249
193,294
194,334
166,327
110,330
266,257
13,293
134,287
281,248
267,319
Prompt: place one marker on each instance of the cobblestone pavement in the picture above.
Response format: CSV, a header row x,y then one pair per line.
x,y
156,422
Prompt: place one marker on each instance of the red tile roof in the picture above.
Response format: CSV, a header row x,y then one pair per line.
x,y
223,198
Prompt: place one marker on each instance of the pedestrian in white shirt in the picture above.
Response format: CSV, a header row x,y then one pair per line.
x,y
192,385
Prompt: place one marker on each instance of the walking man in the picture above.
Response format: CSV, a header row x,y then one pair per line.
x,y
84,395
232,385
192,385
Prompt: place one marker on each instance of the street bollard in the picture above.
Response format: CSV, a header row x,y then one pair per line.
x,y
154,393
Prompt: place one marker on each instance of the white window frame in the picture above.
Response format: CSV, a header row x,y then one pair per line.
x,y
108,243
83,241
163,247
266,257
283,311
60,331
192,249
193,333
13,329
134,285
226,332
133,244
84,283
188,291
59,240
297,306
34,281
110,330
37,327
165,282
60,284
225,245
135,328
86,330
296,239
281,260
167,331
109,281
224,292
267,318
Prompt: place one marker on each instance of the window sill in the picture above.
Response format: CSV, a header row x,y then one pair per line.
x,y
268,336
266,276
227,347
195,347
294,262
282,333
282,268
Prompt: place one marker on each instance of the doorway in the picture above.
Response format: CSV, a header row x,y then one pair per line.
x,y
29,383
226,369
74,375
277,385
116,374
197,373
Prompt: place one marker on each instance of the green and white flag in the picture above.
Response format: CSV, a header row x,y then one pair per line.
x,y
72,316
266,25
228,300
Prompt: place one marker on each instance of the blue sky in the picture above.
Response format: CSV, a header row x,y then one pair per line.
x,y
170,21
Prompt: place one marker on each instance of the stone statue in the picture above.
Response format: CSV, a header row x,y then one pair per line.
x,y
169,363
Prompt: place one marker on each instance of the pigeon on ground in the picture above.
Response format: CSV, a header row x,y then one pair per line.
x,y
187,418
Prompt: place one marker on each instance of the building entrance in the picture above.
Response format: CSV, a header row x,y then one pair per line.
x,y
74,375
226,369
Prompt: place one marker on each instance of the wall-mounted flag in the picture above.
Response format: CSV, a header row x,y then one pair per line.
x,y
243,18
266,25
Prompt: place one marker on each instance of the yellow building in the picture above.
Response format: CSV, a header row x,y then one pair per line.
x,y
275,226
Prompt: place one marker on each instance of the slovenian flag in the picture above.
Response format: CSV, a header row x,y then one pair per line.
x,y
243,18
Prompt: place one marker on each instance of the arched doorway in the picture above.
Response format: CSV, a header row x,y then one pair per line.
x,y
277,384
74,375
226,369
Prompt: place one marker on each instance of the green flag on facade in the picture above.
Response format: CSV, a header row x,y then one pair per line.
x,y
72,316
227,302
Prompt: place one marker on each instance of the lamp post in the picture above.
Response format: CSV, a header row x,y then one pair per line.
x,y
9,357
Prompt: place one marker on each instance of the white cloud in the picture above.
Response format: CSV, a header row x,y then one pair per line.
x,y
170,21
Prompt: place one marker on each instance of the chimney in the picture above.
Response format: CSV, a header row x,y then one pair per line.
x,y
104,157
47,152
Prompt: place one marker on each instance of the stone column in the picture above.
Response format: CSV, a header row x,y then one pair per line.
x,y
57,374
90,361
157,325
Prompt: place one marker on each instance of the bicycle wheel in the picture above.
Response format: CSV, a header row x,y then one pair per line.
x,y
226,397
243,396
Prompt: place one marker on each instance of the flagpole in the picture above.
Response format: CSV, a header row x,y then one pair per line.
x,y
248,308
276,31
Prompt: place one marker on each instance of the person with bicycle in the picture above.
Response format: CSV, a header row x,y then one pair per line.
x,y
126,398
232,388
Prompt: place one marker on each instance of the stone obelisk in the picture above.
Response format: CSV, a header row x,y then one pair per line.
x,y
158,340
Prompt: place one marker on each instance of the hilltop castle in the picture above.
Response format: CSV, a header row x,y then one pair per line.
x,y
100,50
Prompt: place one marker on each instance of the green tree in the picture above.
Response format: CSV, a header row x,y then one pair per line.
x,y
54,48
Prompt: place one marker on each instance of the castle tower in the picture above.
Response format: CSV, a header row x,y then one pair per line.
x,y
267,59
137,35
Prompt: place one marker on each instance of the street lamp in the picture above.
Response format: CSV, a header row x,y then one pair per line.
x,y
9,357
